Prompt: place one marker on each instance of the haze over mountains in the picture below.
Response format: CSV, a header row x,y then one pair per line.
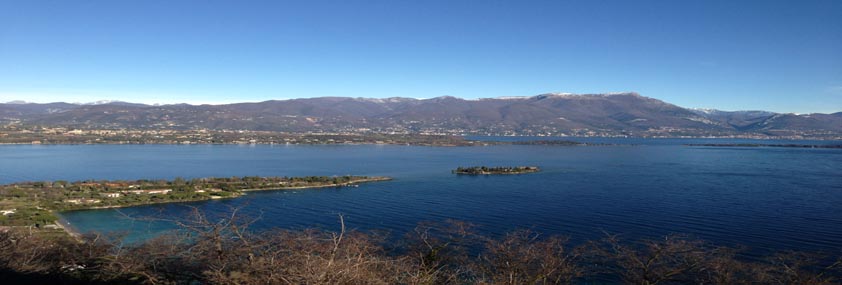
x,y
617,114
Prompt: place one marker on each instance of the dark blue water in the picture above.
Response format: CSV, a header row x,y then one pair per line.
x,y
765,198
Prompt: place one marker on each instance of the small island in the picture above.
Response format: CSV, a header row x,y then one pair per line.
x,y
485,170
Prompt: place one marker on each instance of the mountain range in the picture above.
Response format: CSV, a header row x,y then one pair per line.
x,y
616,114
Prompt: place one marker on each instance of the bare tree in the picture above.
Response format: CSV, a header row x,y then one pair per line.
x,y
521,257
438,253
673,258
803,268
224,249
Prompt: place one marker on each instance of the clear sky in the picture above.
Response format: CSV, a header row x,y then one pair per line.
x,y
783,56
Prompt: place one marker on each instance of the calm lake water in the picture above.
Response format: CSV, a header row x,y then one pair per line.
x,y
764,198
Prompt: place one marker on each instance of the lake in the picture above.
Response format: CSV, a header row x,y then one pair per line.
x,y
765,198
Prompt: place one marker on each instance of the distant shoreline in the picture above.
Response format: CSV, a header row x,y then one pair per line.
x,y
839,146
439,141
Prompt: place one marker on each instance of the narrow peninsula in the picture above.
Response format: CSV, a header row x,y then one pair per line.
x,y
34,204
485,170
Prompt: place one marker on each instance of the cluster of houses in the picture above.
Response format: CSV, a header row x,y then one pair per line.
x,y
118,195
136,192
83,201
121,193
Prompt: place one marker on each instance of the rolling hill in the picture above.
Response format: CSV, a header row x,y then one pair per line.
x,y
548,114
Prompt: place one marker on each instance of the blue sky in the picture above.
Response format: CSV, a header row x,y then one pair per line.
x,y
783,56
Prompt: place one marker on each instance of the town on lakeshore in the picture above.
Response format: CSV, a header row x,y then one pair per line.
x,y
37,135
58,135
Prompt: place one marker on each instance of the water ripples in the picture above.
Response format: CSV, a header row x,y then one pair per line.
x,y
763,198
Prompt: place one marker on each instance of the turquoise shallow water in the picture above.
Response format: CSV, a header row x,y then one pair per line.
x,y
765,198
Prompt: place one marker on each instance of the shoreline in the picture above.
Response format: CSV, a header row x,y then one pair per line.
x,y
373,179
65,226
